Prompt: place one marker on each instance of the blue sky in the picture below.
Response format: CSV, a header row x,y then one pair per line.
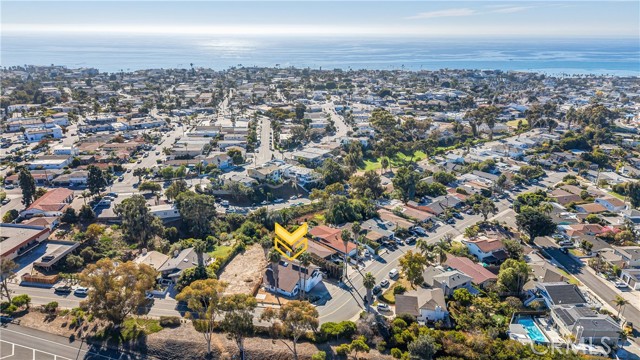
x,y
333,18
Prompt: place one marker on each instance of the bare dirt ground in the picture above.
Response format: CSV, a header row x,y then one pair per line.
x,y
245,271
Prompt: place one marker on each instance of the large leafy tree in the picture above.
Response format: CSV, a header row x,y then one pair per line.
x,y
95,179
412,265
485,207
405,182
423,348
151,186
197,211
238,318
513,275
176,188
204,299
294,319
116,290
138,224
368,184
534,222
27,185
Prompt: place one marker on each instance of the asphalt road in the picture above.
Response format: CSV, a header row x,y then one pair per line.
x,y
594,283
21,343
349,303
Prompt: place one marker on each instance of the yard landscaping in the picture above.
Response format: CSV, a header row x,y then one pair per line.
x,y
388,296
397,160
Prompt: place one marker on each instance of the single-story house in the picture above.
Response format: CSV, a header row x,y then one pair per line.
x,y
424,304
52,203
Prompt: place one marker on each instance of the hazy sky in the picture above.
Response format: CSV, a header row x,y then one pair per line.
x,y
305,18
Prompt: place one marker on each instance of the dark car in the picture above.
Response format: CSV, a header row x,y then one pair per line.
x,y
62,289
377,290
457,216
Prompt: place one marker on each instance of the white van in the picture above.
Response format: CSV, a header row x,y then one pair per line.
x,y
393,273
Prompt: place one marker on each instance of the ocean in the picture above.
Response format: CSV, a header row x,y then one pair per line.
x,y
113,53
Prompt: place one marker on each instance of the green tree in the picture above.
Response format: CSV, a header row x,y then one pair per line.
x,y
305,260
151,186
485,207
358,345
367,184
39,193
236,156
443,177
412,265
204,300
513,275
86,214
534,223
295,319
7,273
115,291
405,182
27,185
238,318
138,224
10,215
69,216
21,300
95,179
176,188
140,172
274,258
633,192
197,211
620,303
423,348
369,282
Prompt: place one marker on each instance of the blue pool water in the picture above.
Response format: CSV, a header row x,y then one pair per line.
x,y
532,329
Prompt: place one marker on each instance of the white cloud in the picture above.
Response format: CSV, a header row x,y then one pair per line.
x,y
444,13
511,10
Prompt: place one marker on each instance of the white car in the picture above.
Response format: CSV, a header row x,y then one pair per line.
x,y
383,307
81,291
621,285
393,273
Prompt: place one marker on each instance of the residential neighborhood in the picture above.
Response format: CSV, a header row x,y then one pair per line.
x,y
435,206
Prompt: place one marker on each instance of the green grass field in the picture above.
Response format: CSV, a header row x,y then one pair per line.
x,y
397,160
514,123
221,251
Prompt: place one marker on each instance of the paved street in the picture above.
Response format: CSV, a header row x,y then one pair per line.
x,y
348,304
21,343
595,283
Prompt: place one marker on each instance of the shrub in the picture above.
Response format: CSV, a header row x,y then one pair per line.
x,y
10,309
399,289
51,307
320,355
343,350
343,329
381,346
396,353
4,305
21,300
169,321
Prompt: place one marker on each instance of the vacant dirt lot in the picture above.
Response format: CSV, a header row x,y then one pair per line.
x,y
245,271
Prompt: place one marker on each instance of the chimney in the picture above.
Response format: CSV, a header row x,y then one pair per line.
x,y
144,251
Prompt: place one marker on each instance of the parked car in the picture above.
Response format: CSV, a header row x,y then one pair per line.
x,y
65,289
383,307
458,216
224,203
566,243
9,187
81,291
564,250
376,290
410,240
394,273
384,283
621,284
419,231
5,201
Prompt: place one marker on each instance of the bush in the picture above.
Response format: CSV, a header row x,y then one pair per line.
x,y
399,289
396,353
343,329
343,350
51,307
169,321
381,346
10,309
4,305
21,300
320,355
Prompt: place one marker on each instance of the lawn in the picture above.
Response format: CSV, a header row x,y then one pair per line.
x,y
615,194
572,280
514,123
221,251
388,296
397,160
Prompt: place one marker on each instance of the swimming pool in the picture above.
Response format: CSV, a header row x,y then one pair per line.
x,y
533,331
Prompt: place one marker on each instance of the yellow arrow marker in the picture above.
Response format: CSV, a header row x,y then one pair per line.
x,y
291,243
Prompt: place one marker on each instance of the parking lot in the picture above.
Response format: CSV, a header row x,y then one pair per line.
x,y
11,351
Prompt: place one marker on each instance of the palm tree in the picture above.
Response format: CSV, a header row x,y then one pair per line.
x,y
266,244
85,194
274,259
369,282
200,247
620,303
427,250
305,260
346,237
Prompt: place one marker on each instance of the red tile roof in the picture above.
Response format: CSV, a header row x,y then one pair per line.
x,y
478,272
331,237
53,200
488,245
